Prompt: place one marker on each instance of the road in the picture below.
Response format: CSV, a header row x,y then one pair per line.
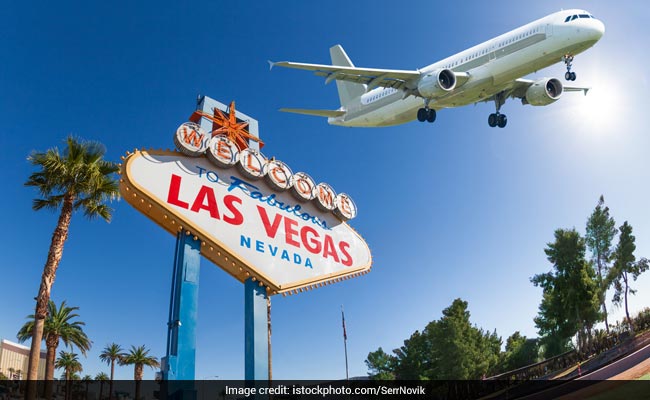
x,y
592,383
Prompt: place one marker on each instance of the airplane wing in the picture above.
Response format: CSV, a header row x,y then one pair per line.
x,y
519,87
388,78
318,113
517,90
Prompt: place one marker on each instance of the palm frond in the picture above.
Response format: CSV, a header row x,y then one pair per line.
x,y
80,172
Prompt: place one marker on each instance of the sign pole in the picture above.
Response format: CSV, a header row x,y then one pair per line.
x,y
178,365
256,332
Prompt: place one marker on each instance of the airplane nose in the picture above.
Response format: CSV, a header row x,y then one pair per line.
x,y
597,29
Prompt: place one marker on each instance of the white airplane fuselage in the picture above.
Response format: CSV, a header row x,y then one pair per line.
x,y
492,66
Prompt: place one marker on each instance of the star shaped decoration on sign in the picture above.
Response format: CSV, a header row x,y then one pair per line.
x,y
228,125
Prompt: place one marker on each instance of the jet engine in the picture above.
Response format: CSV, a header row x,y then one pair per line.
x,y
543,92
436,83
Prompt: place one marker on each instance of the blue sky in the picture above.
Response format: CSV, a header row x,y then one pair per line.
x,y
453,209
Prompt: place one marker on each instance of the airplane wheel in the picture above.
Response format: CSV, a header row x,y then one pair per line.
x,y
422,115
573,76
431,115
493,120
567,76
502,120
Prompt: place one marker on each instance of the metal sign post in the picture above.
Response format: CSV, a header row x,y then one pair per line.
x,y
256,335
183,310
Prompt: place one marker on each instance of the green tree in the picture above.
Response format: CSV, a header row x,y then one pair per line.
x,y
87,379
69,362
601,230
381,366
59,325
411,359
138,357
77,179
111,353
101,377
626,268
449,348
570,303
520,351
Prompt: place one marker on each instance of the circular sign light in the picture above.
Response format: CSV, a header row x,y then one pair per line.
x,y
191,139
325,197
278,175
345,207
222,151
303,187
251,163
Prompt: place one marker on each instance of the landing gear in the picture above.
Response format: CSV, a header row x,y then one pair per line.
x,y
426,113
568,61
498,119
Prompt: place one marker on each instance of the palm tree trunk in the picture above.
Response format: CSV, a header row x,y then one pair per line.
x,y
49,273
49,367
137,374
110,385
35,349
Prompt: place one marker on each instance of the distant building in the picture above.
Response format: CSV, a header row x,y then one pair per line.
x,y
14,360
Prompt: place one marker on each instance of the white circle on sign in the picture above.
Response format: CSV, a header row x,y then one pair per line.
x,y
191,139
345,207
278,175
325,197
222,151
303,187
251,163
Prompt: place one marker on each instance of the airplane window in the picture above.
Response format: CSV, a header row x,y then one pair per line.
x,y
584,16
567,19
574,17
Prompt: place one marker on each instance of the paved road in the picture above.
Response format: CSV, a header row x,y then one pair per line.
x,y
619,366
595,377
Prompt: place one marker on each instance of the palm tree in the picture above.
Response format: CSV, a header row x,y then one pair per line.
x,y
78,179
112,352
69,362
87,379
58,326
139,357
101,377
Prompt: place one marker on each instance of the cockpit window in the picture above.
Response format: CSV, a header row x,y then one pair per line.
x,y
572,17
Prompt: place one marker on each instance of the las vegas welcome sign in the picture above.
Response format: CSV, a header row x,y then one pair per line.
x,y
257,220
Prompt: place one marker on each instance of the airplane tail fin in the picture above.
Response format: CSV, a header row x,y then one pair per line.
x,y
348,91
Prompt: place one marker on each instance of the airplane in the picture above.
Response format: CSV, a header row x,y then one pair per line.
x,y
490,71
